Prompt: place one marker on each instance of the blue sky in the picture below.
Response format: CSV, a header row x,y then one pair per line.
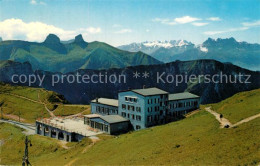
x,y
124,21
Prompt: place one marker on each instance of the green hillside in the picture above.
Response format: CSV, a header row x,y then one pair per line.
x,y
239,106
32,103
196,140
71,56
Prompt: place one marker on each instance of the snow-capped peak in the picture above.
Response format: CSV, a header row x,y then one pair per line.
x,y
166,44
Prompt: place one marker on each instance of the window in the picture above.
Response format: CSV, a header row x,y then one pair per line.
x,y
138,117
180,105
123,114
138,109
128,116
138,127
106,111
148,101
135,100
123,106
98,108
106,128
131,108
133,116
126,98
149,118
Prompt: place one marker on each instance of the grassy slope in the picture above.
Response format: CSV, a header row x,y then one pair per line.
x,y
239,106
12,148
71,110
200,139
30,110
196,140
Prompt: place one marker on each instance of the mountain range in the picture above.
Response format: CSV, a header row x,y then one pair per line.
x,y
57,56
225,50
84,92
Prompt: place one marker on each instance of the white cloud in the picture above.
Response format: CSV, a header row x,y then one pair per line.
x,y
147,30
251,24
186,19
34,2
163,21
124,31
180,20
199,24
225,31
37,31
91,30
214,19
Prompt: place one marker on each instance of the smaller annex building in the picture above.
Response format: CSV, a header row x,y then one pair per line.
x,y
110,124
104,106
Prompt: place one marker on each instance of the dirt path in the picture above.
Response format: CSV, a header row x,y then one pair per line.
x,y
191,113
49,111
39,102
29,129
71,162
22,97
224,121
247,120
94,140
14,117
63,144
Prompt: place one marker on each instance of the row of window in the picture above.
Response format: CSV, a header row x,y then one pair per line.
x,y
151,109
131,108
153,118
104,110
99,126
132,116
131,99
155,101
183,104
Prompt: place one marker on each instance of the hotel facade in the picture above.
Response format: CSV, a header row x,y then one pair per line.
x,y
147,107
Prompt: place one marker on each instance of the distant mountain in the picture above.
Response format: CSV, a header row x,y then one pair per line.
x,y
150,47
56,56
1,39
225,50
84,92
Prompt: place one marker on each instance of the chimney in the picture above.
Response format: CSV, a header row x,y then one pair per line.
x,y
97,99
144,87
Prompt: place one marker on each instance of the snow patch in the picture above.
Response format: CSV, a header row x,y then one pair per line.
x,y
203,49
166,44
